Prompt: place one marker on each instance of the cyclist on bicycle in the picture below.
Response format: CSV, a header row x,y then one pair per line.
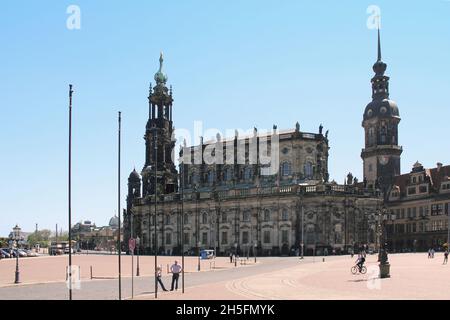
x,y
360,261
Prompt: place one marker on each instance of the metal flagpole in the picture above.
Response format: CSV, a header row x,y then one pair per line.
x,y
132,260
156,215
70,192
303,228
182,220
118,209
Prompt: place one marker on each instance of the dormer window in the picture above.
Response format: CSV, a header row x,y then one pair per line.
x,y
411,190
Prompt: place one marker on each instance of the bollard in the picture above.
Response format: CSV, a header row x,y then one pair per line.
x,y
91,273
167,268
323,259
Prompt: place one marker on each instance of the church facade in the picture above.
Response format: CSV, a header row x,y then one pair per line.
x,y
239,203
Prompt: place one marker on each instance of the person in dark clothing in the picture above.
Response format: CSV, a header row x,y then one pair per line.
x,y
158,277
360,262
175,269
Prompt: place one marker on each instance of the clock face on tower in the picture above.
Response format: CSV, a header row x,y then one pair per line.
x,y
383,160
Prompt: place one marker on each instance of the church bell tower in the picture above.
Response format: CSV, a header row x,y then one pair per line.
x,y
381,155
158,139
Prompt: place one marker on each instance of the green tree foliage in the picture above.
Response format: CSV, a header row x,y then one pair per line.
x,y
4,242
41,237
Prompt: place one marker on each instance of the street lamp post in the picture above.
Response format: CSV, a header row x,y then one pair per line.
x,y
235,254
198,251
384,215
16,234
254,251
138,240
302,245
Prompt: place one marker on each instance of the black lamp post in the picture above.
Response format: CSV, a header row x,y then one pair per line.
x,y
198,250
138,241
16,237
384,216
255,246
235,254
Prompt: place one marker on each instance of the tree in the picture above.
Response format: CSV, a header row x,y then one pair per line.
x,y
41,237
4,242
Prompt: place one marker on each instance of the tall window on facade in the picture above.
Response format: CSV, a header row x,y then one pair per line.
x,y
245,237
224,237
204,237
228,174
267,215
204,218
186,238
247,173
285,215
167,219
168,238
266,236
308,170
286,169
383,135
371,136
224,217
284,236
186,218
211,177
246,216
195,178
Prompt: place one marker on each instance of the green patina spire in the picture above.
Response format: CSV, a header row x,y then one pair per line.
x,y
160,77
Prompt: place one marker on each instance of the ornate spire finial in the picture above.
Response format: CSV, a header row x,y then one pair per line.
x,y
160,77
171,90
379,41
379,67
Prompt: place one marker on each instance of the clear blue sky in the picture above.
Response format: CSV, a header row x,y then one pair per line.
x,y
231,63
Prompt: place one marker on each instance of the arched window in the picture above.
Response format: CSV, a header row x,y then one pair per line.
x,y
383,135
186,218
286,169
204,218
267,215
246,216
371,136
308,170
211,176
195,178
248,173
228,174
285,215
168,219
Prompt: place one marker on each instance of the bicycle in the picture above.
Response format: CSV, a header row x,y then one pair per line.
x,y
355,269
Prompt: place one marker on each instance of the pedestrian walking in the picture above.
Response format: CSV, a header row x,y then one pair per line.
x,y
158,277
445,257
175,269
429,253
231,257
432,253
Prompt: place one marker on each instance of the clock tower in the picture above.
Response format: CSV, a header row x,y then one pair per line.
x,y
381,155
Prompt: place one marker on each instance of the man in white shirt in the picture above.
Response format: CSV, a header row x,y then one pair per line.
x,y
175,269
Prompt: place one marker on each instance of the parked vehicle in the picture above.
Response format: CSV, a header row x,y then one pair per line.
x,y
66,250
22,253
5,253
31,253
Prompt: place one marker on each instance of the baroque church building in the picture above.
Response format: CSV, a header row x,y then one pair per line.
x,y
241,205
